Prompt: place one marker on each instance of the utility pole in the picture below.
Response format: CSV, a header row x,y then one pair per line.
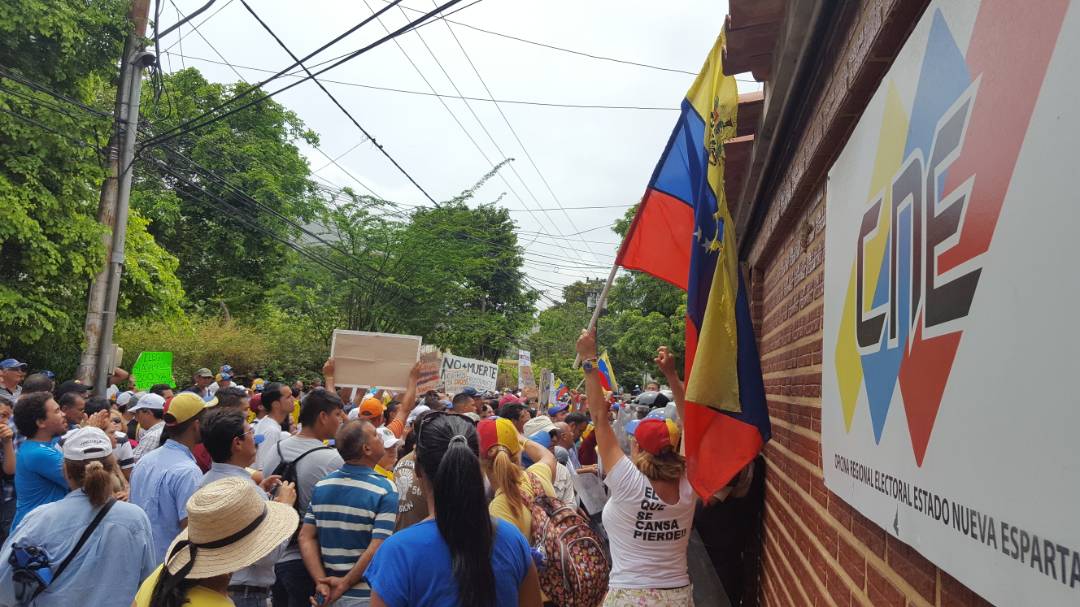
x,y
95,364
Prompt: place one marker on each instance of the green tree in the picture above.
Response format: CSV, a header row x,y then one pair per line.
x,y
254,151
451,274
641,313
51,171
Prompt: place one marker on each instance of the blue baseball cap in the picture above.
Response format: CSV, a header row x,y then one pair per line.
x,y
226,377
558,408
543,438
631,426
657,414
11,363
470,391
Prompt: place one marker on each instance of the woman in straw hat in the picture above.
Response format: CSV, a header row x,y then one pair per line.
x,y
230,526
107,567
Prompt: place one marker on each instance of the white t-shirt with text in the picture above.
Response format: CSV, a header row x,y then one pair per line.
x,y
648,537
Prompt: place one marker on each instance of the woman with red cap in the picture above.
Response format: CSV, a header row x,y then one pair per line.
x,y
651,505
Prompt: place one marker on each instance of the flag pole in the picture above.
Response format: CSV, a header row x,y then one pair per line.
x,y
599,306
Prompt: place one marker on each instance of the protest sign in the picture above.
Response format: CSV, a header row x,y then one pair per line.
x,y
430,366
547,393
591,491
153,368
526,380
455,380
481,375
115,357
363,360
525,373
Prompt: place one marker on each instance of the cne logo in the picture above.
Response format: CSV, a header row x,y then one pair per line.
x,y
937,186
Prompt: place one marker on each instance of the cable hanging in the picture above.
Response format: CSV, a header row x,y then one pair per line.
x,y
341,107
196,123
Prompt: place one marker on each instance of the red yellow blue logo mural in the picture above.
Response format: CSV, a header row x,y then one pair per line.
x,y
940,175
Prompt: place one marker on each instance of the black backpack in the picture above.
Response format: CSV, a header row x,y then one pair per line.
x,y
287,472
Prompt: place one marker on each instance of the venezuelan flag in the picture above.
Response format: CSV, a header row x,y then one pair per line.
x,y
561,389
683,233
607,373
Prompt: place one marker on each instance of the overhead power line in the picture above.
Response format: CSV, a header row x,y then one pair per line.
x,y
194,27
513,131
546,262
226,62
464,130
341,107
567,50
550,104
197,122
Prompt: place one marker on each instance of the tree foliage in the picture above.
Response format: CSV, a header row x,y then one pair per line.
x,y
254,151
214,253
641,314
51,171
452,274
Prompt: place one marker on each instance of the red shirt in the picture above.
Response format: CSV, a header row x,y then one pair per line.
x,y
587,450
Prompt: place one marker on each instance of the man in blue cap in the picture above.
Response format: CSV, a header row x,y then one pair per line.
x,y
223,380
465,403
12,373
558,411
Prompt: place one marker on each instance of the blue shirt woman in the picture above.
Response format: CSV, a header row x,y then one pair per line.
x,y
413,567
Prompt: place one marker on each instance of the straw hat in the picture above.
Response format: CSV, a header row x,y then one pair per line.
x,y
230,526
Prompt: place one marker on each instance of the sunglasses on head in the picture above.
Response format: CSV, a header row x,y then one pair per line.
x,y
430,415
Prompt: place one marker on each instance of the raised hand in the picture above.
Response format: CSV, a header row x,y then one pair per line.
x,y
586,344
665,360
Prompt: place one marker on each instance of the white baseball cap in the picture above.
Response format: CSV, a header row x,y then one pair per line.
x,y
86,443
124,398
419,410
388,439
150,401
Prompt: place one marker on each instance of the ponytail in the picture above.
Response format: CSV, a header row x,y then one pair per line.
x,y
93,477
171,590
447,454
506,476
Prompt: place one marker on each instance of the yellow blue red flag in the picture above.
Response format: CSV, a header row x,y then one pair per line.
x,y
607,373
683,233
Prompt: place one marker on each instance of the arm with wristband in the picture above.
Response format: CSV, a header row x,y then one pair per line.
x,y
606,443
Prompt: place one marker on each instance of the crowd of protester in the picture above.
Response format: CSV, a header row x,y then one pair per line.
x,y
240,491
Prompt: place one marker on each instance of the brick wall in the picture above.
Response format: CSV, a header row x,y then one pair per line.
x,y
817,549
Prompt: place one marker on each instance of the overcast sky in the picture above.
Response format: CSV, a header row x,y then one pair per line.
x,y
589,157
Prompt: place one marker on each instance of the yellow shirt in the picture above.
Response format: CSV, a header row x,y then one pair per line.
x,y
197,596
500,505
383,471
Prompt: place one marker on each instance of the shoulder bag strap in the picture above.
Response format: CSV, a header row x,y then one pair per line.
x,y
306,453
82,540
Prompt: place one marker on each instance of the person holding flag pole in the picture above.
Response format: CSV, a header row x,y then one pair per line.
x,y
683,233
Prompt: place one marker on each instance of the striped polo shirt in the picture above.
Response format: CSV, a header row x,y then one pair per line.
x,y
350,507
